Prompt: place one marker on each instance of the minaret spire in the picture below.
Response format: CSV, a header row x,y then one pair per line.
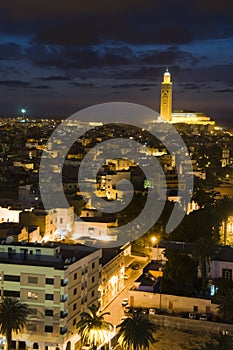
x,y
166,97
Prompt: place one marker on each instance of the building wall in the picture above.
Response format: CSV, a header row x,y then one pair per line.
x,y
51,293
112,279
9,215
171,302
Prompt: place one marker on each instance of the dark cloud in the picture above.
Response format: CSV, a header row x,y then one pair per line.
x,y
41,87
83,85
189,86
10,51
170,56
55,78
224,91
134,85
14,83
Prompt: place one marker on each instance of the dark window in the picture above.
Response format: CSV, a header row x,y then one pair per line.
x,y
93,265
33,280
75,291
93,279
49,281
195,309
227,273
74,321
48,329
48,296
12,278
32,311
75,275
92,293
11,293
74,306
35,346
48,312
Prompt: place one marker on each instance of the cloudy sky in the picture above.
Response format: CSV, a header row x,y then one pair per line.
x,y
58,57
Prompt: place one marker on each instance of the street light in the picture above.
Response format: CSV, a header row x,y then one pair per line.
x,y
154,240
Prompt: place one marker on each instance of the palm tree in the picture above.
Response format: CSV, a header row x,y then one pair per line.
x,y
136,332
94,330
13,316
226,305
203,249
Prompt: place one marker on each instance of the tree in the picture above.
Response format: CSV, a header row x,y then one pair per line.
x,y
13,317
94,330
202,251
180,270
220,342
226,305
136,332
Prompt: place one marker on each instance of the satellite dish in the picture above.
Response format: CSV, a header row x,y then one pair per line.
x,y
9,240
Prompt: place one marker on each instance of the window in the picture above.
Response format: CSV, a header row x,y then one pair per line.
x,y
48,296
11,293
32,311
93,279
75,275
12,278
92,293
75,291
74,306
48,312
32,295
227,273
49,281
93,265
61,220
32,327
74,321
48,329
32,280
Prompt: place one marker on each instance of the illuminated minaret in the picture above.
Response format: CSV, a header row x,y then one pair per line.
x,y
166,97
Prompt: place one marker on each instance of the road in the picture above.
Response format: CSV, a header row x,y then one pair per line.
x,y
115,308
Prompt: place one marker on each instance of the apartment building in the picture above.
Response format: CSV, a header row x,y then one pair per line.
x,y
57,282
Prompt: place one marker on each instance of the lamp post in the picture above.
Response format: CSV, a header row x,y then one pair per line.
x,y
154,240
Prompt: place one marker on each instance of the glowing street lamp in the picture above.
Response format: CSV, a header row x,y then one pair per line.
x,y
155,240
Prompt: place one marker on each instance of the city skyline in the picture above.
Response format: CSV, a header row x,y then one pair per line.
x,y
56,60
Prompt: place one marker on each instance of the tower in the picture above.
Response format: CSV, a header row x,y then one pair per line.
x,y
166,97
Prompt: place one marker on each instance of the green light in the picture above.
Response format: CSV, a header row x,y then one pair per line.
x,y
23,110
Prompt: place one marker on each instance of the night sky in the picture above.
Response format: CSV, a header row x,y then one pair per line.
x,y
58,57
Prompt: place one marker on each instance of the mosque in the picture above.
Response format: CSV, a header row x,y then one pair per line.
x,y
180,116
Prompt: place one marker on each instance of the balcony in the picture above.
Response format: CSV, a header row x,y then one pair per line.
x,y
63,330
63,314
64,282
63,298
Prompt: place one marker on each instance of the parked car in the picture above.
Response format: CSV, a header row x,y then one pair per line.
x,y
183,314
152,311
135,266
203,317
125,302
192,315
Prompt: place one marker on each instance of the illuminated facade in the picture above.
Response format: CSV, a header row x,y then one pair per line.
x,y
179,116
166,97
57,283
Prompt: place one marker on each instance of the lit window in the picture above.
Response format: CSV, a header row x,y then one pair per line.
x,y
32,295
